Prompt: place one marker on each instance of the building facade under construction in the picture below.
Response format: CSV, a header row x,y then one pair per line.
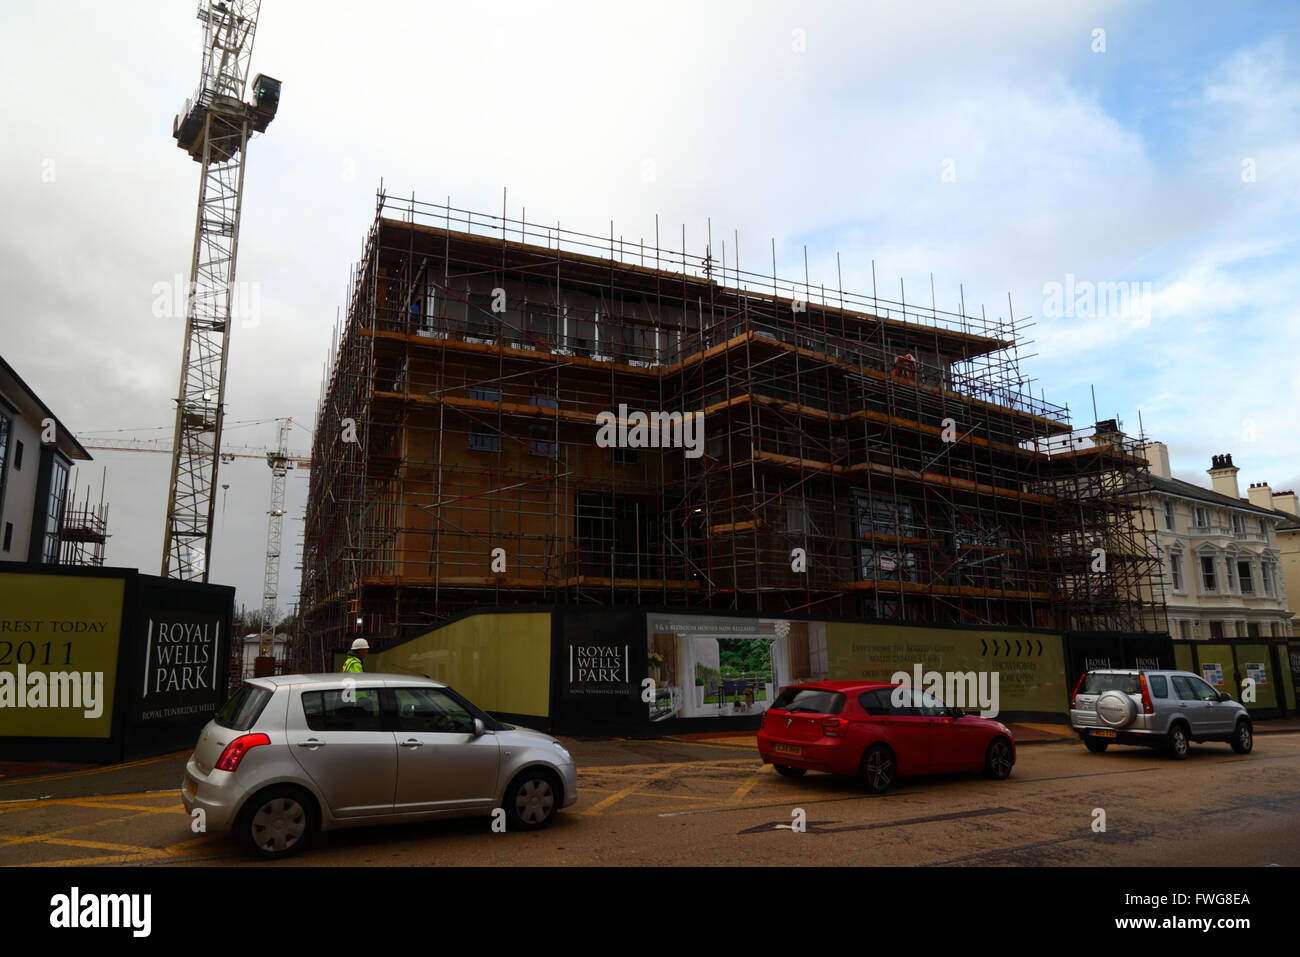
x,y
509,417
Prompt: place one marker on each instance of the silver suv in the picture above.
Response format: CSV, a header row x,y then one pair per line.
x,y
1164,709
289,755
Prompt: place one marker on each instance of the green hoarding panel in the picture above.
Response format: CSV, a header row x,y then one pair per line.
x,y
1029,669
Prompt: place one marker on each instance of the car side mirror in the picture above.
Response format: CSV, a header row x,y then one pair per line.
x,y
479,729
1224,696
957,712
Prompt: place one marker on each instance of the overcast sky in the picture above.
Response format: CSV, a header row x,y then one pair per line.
x,y
1004,148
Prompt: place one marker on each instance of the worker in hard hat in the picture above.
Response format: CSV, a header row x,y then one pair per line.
x,y
355,662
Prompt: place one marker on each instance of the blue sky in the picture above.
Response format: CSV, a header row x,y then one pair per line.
x,y
819,125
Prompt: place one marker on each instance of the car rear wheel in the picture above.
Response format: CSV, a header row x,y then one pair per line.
x,y
788,772
278,822
1096,745
997,759
1177,743
1243,739
531,801
879,770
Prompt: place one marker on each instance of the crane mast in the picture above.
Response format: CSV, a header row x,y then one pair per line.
x,y
280,462
214,130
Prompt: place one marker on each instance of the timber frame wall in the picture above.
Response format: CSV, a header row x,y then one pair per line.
x,y
898,445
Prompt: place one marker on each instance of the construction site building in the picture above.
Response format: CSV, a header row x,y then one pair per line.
x,y
858,456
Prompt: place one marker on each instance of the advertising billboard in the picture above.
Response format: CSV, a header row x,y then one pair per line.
x,y
59,637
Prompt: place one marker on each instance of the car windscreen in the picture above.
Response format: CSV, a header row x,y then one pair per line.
x,y
239,713
810,699
1096,683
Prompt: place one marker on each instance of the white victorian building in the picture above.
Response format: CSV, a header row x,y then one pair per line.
x,y
1222,565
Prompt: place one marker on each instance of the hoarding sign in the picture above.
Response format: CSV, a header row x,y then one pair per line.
x,y
59,638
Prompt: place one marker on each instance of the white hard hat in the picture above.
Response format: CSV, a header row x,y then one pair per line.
x,y
361,645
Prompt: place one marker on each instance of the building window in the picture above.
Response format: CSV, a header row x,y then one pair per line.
x,y
1185,629
1202,517
1263,529
796,517
484,395
54,512
542,447
626,456
1244,576
1169,514
1176,569
481,322
1238,525
1266,573
1216,629
1209,581
484,442
545,401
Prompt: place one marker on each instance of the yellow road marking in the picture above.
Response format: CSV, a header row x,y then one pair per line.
x,y
100,845
41,838
741,791
630,789
94,800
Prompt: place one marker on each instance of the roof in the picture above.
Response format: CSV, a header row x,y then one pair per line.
x,y
516,256
1175,486
71,446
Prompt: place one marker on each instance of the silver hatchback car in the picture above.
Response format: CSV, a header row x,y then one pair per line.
x,y
290,755
1165,709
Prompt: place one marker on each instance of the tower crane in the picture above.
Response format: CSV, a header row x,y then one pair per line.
x,y
280,460
214,131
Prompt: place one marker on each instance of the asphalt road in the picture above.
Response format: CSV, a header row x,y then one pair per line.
x,y
715,803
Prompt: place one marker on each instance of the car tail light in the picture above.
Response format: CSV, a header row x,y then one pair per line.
x,y
235,750
1147,706
831,727
1077,686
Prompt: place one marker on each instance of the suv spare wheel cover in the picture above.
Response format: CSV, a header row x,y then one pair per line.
x,y
1116,709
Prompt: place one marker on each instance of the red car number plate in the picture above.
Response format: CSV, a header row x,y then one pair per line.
x,y
787,749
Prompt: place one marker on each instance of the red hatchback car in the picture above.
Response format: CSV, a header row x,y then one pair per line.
x,y
860,729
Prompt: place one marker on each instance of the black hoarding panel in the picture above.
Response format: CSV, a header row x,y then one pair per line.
x,y
179,649
598,666
1089,651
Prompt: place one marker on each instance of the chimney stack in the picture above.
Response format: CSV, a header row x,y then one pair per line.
x,y
1261,495
1286,502
1224,475
1157,454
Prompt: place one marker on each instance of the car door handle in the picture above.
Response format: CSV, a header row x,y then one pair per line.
x,y
311,743
412,743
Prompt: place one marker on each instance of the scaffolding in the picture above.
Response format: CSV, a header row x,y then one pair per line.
x,y
859,456
83,532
